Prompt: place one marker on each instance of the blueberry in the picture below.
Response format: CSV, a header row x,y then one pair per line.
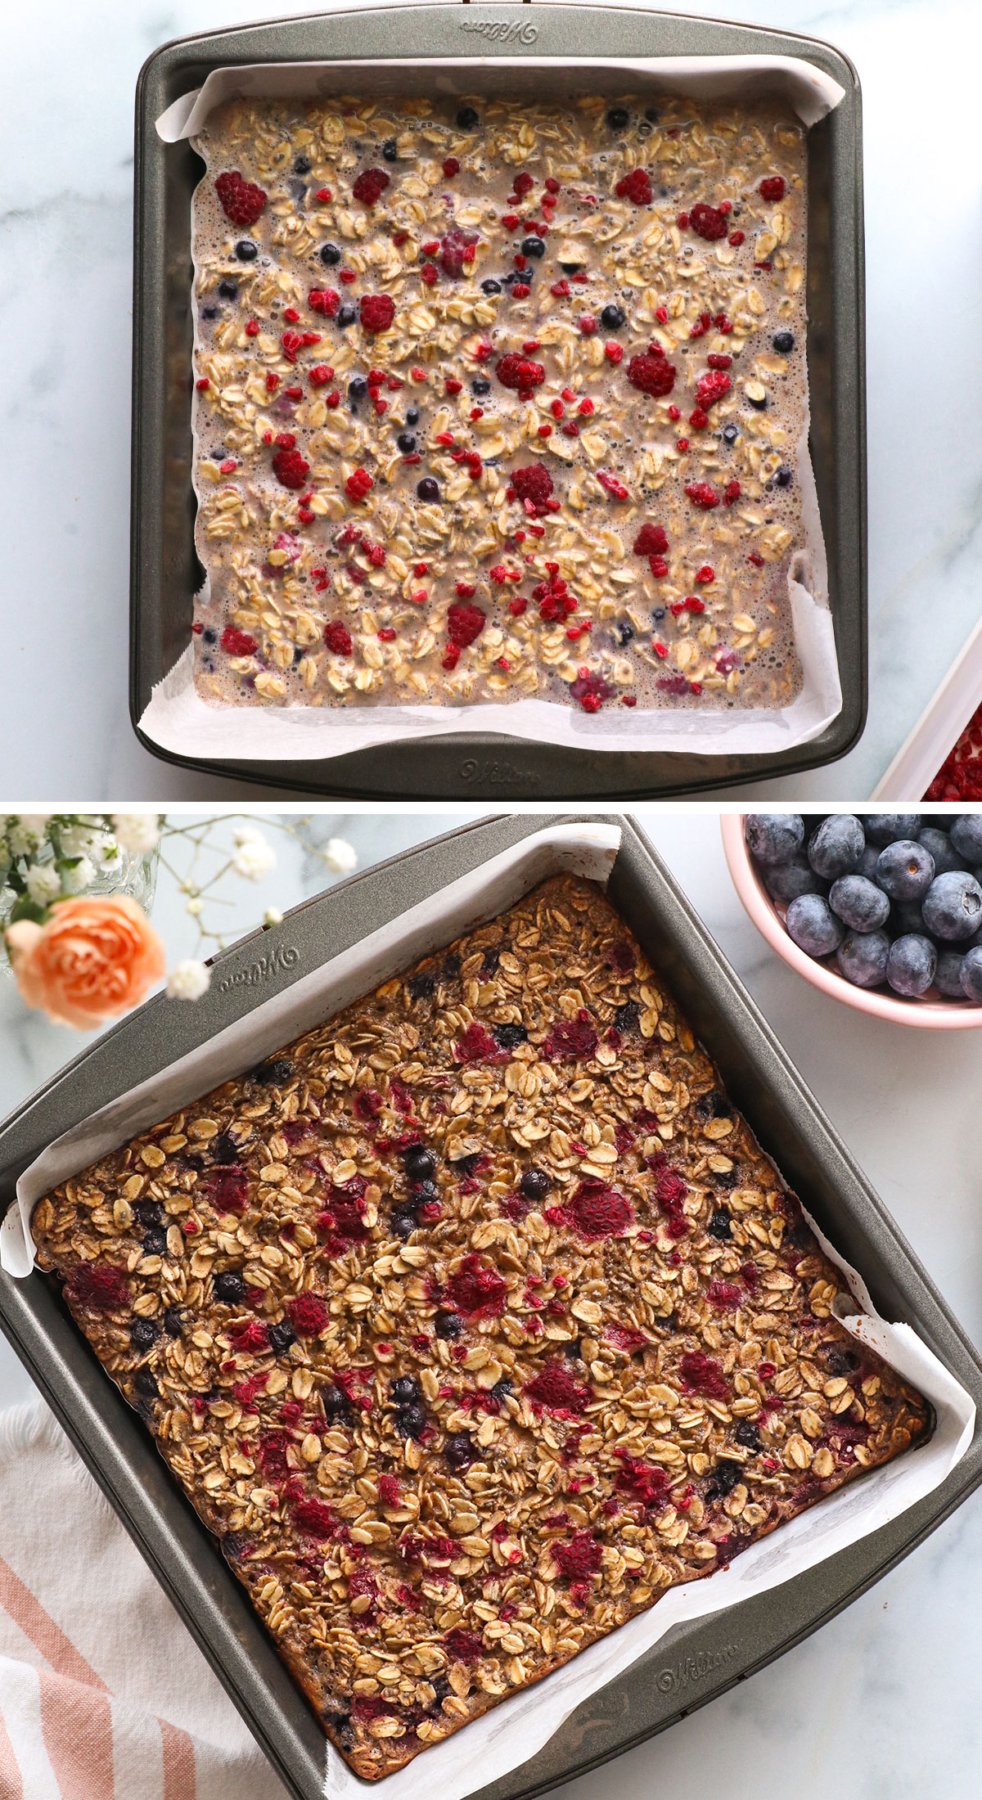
x,y
480,386
966,835
719,1226
948,974
725,1477
448,1326
403,1223
145,1382
148,1212
859,903
510,1036
143,1333
713,1105
172,1322
390,150
939,843
223,1148
813,926
905,870
302,165
334,1402
406,442
154,1241
428,490
971,973
411,1421
533,246
787,880
490,286
618,118
535,1184
246,250
468,119
357,389
347,316
862,957
775,837
273,1073
886,828
730,434
571,268
228,289
747,1434
907,915
421,986
836,846
613,317
209,637
419,1162
281,1336
412,415
784,477
464,1166
405,1389
868,862
628,1016
330,255
911,964
783,342
209,312
757,401
952,906
229,1287
502,1389
460,1450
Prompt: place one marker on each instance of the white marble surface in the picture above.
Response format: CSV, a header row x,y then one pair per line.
x,y
882,1704
65,224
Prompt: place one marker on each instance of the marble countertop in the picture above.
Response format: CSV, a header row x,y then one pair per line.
x,y
65,227
831,1716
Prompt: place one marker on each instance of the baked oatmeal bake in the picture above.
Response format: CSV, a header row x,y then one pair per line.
x,y
472,1322
497,401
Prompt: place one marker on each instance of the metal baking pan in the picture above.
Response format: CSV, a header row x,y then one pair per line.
x,y
165,572
695,1662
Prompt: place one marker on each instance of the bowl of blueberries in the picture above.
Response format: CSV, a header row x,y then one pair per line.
x,y
882,910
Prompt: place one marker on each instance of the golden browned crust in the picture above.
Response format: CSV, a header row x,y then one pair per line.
x,y
613,1381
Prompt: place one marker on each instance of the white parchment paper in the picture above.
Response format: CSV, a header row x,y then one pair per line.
x,y
514,1731
178,720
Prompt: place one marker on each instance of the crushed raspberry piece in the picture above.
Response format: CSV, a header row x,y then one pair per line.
x,y
571,1040
590,689
712,388
579,1558
101,1287
476,1045
338,638
251,1338
612,486
456,249
514,371
377,312
476,1290
389,1491
324,300
308,1314
370,185
703,495
731,493
315,1519
636,187
703,1374
772,188
533,486
358,485
644,1481
708,222
271,1455
651,374
238,643
465,623
652,540
598,1211
556,1388
463,1646
724,1295
227,1187
242,201
291,468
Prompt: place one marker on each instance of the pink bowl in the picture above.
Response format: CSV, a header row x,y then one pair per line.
x,y
937,1015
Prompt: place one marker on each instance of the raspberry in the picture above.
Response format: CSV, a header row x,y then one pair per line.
x,y
652,374
241,201
370,185
556,1388
250,1339
456,249
514,371
571,1040
389,1491
731,493
465,623
271,1455
358,485
644,1481
291,468
532,485
308,1314
708,222
476,1045
712,387
612,486
238,643
463,1646
377,312
475,1289
324,300
338,638
724,1295
772,188
670,1190
636,187
591,690
703,495
315,1519
101,1287
579,1559
651,540
702,1374
598,1211
227,1187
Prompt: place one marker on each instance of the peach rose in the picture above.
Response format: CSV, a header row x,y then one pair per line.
x,y
94,958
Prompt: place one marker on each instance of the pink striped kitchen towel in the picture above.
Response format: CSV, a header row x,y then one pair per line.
x,y
103,1693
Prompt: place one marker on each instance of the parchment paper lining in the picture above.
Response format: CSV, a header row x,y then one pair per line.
x,y
178,720
514,1731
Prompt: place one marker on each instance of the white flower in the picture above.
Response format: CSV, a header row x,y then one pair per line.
x,y
248,834
80,877
340,856
137,832
195,906
27,831
272,916
188,980
254,858
43,883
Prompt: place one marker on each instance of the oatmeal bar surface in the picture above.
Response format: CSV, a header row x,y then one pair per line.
x,y
498,400
472,1322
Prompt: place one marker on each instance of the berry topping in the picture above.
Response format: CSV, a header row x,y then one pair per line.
x,y
460,1451
708,222
463,1646
465,623
98,1287
242,201
227,1187
514,371
712,388
579,1558
315,1519
651,373
533,486
338,638
652,540
291,468
324,300
636,187
377,312
535,1184
772,188
702,1374
556,1388
703,495
571,1040
238,643
370,185
308,1314
476,1290
598,1211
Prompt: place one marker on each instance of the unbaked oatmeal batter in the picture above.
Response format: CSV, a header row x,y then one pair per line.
x,y
497,401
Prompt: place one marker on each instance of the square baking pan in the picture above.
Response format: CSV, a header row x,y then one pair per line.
x,y
165,571
692,1663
